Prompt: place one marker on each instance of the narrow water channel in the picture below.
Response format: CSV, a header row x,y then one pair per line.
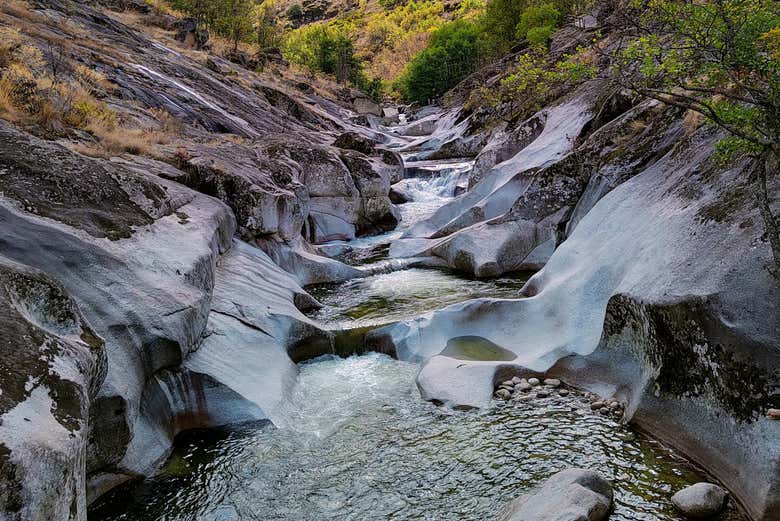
x,y
357,442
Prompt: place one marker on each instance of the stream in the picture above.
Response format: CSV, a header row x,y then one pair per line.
x,y
357,442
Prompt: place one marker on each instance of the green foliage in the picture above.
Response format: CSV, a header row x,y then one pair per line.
x,y
454,51
268,29
719,58
229,18
389,4
535,80
506,22
327,48
537,24
500,22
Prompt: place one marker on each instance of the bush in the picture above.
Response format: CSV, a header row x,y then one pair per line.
x,y
454,51
324,48
537,24
505,22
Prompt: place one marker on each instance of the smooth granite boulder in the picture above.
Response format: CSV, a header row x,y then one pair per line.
x,y
570,495
700,501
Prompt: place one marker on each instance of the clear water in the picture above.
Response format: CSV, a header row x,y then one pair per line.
x,y
359,444
389,297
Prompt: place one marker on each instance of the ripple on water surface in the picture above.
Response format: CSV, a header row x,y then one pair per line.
x,y
358,443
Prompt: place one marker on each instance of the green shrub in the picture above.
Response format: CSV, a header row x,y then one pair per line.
x,y
454,51
505,22
324,48
537,24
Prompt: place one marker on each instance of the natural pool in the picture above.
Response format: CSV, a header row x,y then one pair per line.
x,y
398,295
358,443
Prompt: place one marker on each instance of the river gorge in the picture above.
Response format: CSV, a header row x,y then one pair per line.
x,y
231,292
356,441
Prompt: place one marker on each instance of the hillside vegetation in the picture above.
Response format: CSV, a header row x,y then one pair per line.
x,y
415,50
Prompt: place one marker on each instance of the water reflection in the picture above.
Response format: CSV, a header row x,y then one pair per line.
x,y
359,444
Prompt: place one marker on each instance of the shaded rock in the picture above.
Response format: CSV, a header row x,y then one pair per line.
x,y
365,106
271,55
570,494
190,33
700,501
53,363
651,298
398,194
355,141
503,394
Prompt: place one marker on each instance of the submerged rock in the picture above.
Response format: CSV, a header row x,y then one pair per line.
x,y
700,501
572,494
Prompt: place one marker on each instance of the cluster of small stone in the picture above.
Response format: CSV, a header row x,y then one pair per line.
x,y
606,407
521,389
525,388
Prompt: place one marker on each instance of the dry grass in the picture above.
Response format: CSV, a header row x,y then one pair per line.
x,y
115,141
692,121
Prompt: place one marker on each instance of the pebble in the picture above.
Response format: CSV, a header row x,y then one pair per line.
x,y
534,381
542,394
596,405
503,394
552,382
773,414
614,405
563,392
523,387
516,380
523,397
507,383
604,411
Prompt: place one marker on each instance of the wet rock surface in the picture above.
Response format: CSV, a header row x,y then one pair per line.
x,y
570,494
700,501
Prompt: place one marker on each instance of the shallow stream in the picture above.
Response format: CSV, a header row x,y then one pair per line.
x,y
358,443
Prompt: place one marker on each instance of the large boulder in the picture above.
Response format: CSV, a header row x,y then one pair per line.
x,y
152,267
465,373
571,494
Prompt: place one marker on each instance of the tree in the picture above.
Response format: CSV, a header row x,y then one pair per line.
x,y
503,24
720,58
234,19
500,23
268,31
454,51
538,23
